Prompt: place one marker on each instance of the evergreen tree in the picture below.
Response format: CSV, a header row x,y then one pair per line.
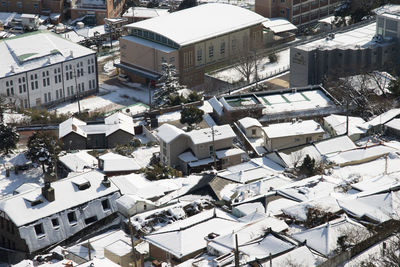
x,y
191,115
308,165
9,138
170,86
43,148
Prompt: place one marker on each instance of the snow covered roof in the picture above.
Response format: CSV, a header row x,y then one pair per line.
x,y
118,118
220,19
299,211
388,8
168,132
360,154
187,157
128,201
228,152
72,36
251,171
382,119
19,209
394,124
324,238
310,188
89,32
301,256
297,156
339,124
71,125
78,161
267,246
278,25
251,231
361,37
205,135
293,129
378,208
119,248
115,162
248,208
44,49
378,183
184,237
144,12
248,122
137,184
216,105
333,145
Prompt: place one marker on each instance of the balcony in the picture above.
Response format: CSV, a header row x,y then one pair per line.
x,y
296,2
323,3
296,11
305,8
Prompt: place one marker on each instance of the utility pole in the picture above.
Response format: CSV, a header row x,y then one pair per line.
x,y
132,242
77,91
213,140
236,251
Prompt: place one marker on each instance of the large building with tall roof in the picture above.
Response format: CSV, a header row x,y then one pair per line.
x,y
42,68
193,40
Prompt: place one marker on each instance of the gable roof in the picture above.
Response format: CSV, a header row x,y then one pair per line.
x,y
168,132
114,162
200,22
184,237
339,124
78,161
336,144
323,238
19,209
71,125
205,135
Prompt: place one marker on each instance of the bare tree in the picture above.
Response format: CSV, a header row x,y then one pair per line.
x,y
247,64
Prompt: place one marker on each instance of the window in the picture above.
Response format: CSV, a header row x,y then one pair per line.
x,y
72,217
106,204
45,98
199,55
56,94
210,51
49,96
308,139
55,222
222,48
90,220
39,229
253,132
211,150
83,86
20,89
144,206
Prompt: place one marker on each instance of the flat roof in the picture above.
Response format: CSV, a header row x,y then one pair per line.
x,y
361,37
200,23
278,25
44,49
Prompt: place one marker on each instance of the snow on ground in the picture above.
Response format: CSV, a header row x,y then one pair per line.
x,y
143,155
264,67
109,66
111,97
15,118
9,184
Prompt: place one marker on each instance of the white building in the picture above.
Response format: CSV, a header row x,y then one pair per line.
x,y
41,68
41,217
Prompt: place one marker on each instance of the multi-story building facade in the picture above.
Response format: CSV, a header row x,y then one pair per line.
x,y
38,218
299,12
32,6
361,49
96,10
42,68
211,35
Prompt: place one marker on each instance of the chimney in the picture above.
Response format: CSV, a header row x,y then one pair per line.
x,y
106,182
48,192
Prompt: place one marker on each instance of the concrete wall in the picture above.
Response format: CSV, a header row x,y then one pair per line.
x,y
249,132
311,67
290,141
230,161
202,151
